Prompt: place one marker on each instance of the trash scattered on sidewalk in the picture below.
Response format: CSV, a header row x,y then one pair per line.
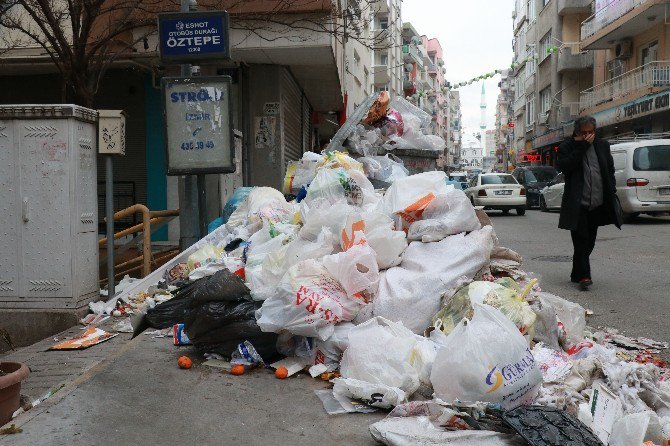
x,y
92,336
12,429
93,319
403,299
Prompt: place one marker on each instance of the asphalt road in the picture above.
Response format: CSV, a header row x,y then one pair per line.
x,y
631,290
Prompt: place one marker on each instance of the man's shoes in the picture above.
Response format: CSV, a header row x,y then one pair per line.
x,y
574,280
584,284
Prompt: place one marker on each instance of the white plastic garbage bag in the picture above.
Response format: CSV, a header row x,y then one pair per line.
x,y
323,214
486,359
636,428
421,431
570,314
408,197
308,302
383,168
449,214
380,352
204,256
356,270
412,292
377,230
263,283
373,394
334,185
329,352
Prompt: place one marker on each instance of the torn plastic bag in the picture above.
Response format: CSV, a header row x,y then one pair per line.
x,y
486,359
298,174
329,352
264,283
308,302
636,428
357,271
376,230
547,330
204,256
449,214
504,294
373,394
421,431
409,197
547,426
412,292
570,314
380,352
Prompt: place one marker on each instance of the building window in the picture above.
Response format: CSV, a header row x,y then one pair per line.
x,y
383,23
531,10
545,46
545,100
614,68
649,53
531,63
530,109
384,59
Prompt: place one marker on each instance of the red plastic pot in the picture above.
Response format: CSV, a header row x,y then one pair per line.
x,y
10,388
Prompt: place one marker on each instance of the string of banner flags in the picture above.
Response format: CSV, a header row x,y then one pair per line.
x,y
449,87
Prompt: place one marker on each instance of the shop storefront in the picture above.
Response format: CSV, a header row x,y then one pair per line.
x,y
545,147
647,114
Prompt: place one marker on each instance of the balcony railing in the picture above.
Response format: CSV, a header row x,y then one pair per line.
x,y
519,103
653,74
604,16
432,68
412,53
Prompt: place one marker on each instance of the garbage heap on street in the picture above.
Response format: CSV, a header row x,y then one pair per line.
x,y
405,301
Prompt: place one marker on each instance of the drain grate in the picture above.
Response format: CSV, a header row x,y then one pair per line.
x,y
555,259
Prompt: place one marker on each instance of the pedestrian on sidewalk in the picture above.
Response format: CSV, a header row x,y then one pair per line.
x,y
589,197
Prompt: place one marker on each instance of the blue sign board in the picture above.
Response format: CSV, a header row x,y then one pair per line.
x,y
193,36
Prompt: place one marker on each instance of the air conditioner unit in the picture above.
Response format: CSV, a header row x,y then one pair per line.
x,y
623,49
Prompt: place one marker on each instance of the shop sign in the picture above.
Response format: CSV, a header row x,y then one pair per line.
x,y
548,138
193,36
643,106
198,134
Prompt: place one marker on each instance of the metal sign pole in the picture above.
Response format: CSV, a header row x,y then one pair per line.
x,y
189,221
109,213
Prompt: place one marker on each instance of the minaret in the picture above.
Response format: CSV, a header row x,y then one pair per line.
x,y
482,124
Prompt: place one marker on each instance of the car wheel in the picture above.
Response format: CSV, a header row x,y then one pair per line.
x,y
520,211
543,204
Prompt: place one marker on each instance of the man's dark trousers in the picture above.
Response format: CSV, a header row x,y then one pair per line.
x,y
584,240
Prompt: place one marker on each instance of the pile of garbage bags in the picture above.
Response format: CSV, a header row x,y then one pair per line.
x,y
404,295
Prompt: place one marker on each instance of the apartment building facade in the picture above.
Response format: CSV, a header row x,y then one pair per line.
x,y
631,78
504,123
549,70
387,56
454,128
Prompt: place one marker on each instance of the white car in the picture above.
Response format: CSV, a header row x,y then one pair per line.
x,y
552,194
642,172
497,191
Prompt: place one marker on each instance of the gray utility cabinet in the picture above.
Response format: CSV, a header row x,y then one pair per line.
x,y
48,207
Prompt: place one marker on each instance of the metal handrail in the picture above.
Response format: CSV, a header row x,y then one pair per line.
x,y
609,13
652,74
148,218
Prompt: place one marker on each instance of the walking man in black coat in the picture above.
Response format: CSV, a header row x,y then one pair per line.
x,y
589,197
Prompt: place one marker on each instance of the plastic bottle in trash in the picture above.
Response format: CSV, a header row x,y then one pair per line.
x,y
246,354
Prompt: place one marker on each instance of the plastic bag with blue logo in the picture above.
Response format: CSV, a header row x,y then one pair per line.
x,y
486,359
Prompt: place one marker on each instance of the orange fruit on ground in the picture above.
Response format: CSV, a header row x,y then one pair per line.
x,y
184,362
281,372
237,370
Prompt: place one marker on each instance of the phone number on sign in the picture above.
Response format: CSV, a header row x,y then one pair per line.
x,y
197,145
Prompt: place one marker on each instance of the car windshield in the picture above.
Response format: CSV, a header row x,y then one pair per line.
x,y
459,178
540,175
652,158
498,179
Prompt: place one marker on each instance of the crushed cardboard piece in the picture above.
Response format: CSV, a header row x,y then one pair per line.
x,y
92,336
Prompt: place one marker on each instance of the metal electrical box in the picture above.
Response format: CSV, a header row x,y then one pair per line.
x,y
112,132
48,207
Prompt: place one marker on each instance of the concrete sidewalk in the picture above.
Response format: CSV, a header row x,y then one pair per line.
x,y
138,395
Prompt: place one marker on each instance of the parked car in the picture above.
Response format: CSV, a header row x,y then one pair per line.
x,y
642,172
552,194
497,191
534,179
461,177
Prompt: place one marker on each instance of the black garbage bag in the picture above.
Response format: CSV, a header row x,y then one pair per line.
x,y
221,286
220,314
167,314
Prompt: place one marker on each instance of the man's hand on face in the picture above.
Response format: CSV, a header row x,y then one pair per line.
x,y
590,138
